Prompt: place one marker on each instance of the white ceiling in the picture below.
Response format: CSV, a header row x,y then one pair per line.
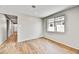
x,y
39,11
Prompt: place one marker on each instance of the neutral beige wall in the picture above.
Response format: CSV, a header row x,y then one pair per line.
x,y
71,34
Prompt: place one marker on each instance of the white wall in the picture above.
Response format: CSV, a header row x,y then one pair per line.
x,y
71,35
29,27
2,28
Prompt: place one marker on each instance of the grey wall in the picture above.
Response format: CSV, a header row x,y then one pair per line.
x,y
29,27
2,28
71,34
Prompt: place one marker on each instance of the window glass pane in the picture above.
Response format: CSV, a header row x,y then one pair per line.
x,y
60,28
50,25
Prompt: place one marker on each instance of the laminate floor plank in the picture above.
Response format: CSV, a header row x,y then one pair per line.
x,y
35,46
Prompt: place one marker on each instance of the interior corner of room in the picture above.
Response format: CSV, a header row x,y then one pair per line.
x,y
39,26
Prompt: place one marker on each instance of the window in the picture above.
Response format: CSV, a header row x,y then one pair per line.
x,y
56,24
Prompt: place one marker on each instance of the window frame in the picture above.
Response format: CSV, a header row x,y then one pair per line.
x,y
55,26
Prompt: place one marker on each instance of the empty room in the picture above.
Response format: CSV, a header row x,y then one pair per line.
x,y
39,29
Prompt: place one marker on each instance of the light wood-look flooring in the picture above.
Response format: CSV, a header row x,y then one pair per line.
x,y
35,46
